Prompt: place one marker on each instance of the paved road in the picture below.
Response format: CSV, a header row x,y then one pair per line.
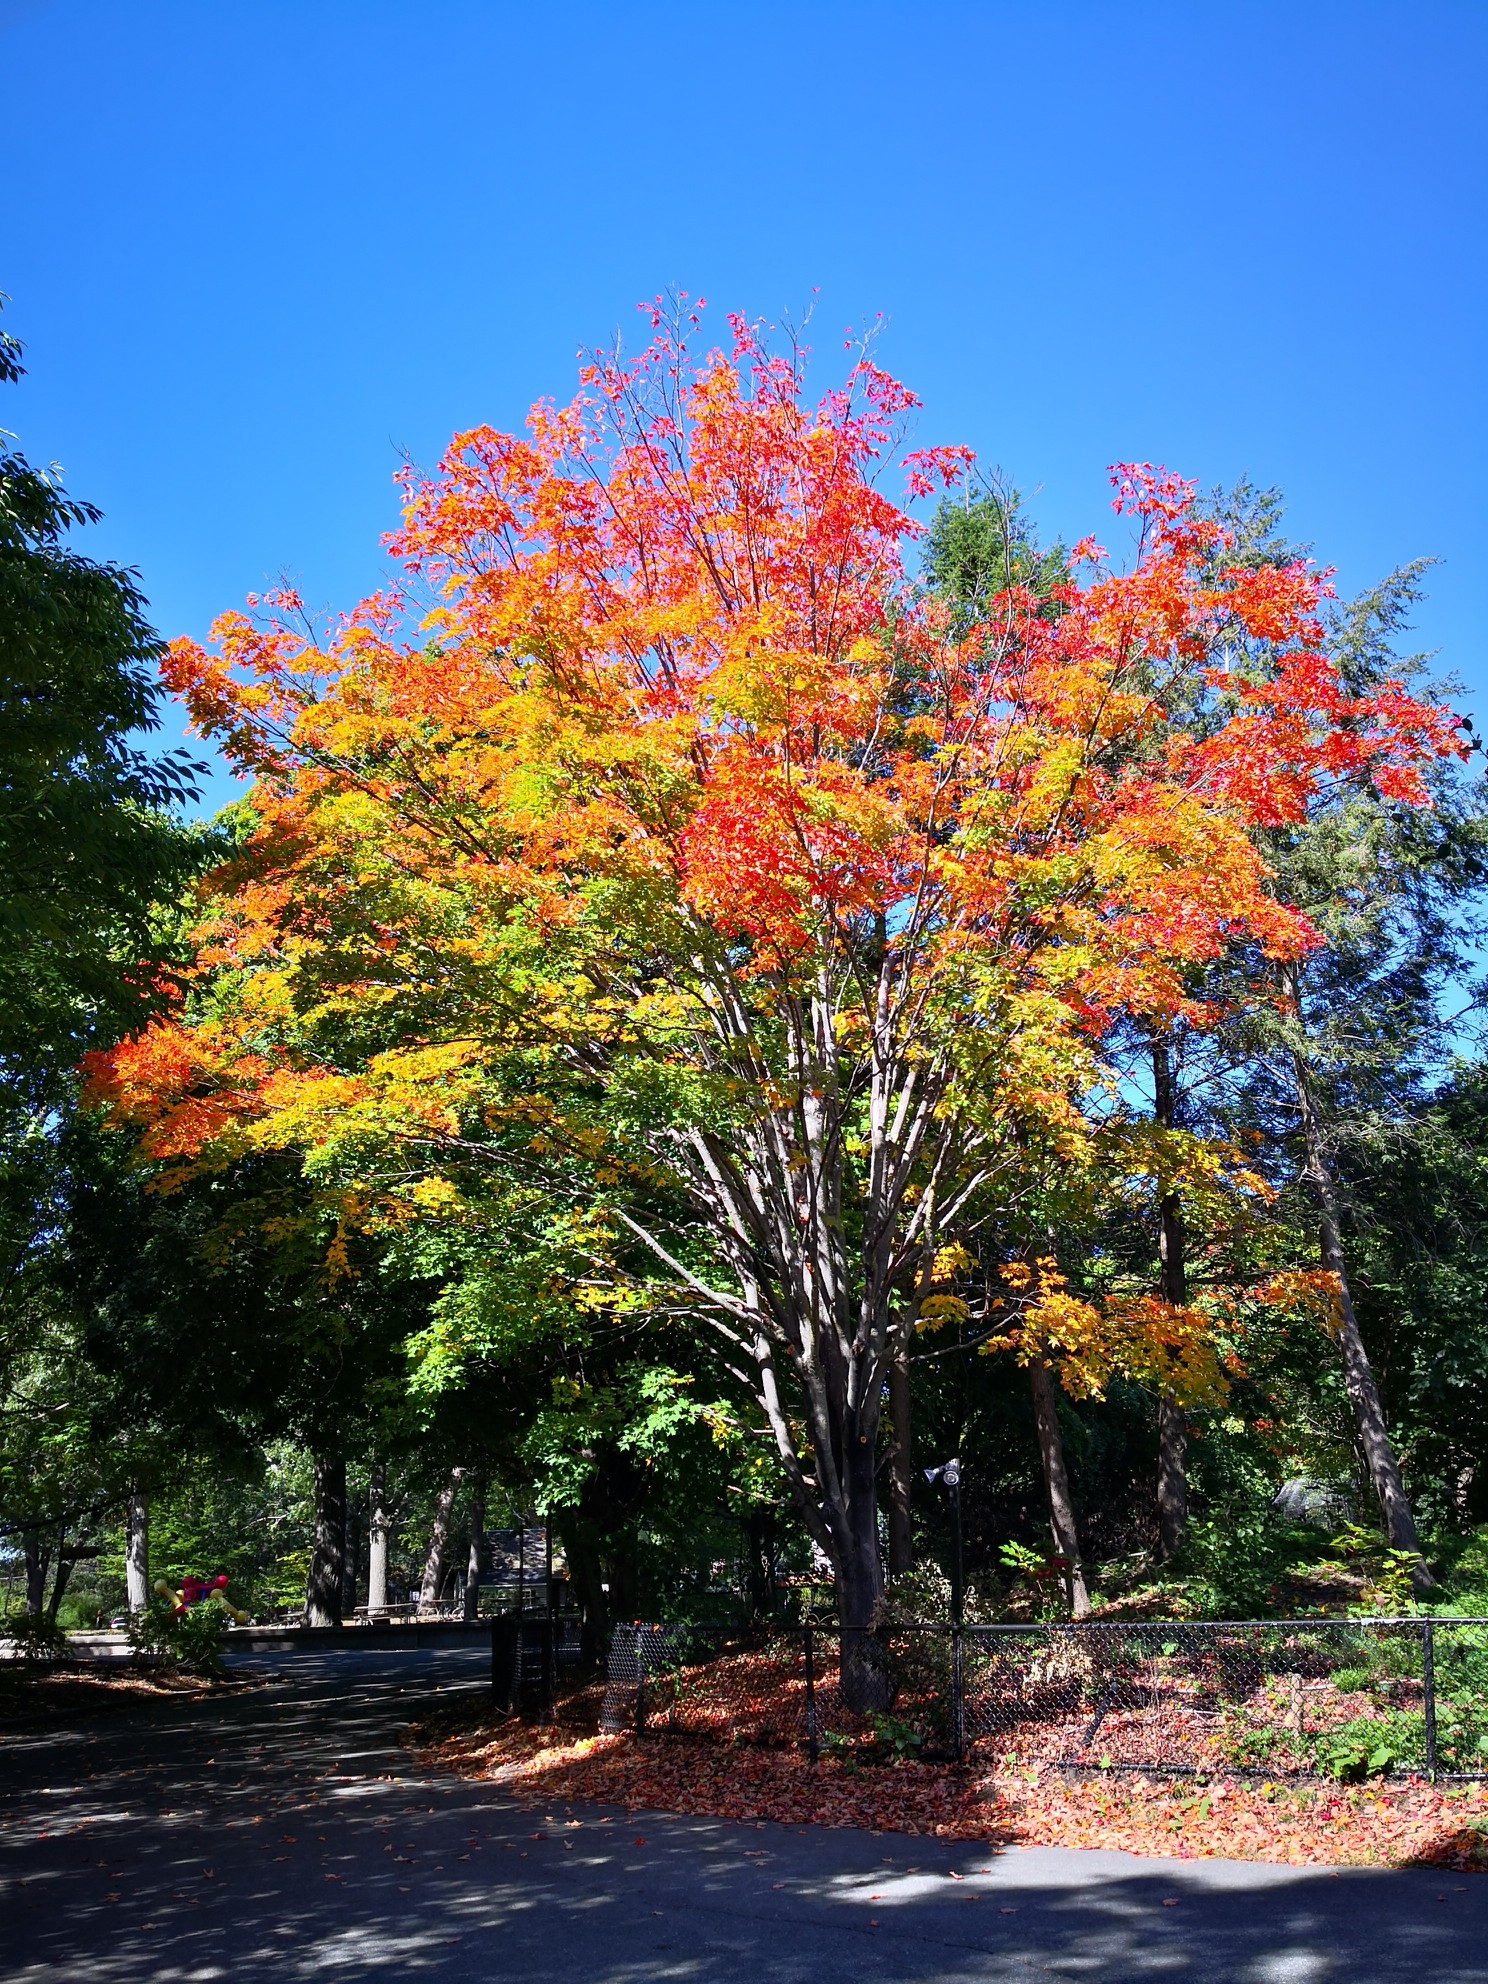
x,y
283,1834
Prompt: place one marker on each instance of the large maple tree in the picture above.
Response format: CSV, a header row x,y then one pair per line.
x,y
660,845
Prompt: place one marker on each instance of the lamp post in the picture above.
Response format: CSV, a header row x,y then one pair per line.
x,y
950,1474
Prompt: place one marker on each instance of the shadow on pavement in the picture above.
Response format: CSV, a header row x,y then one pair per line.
x,y
286,1833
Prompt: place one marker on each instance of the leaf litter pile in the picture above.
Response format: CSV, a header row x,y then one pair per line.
x,y
1405,1822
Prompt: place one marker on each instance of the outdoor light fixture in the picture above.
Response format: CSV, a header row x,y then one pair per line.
x,y
950,1473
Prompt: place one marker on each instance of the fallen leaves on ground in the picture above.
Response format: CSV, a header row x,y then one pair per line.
x,y
31,1700
1409,1822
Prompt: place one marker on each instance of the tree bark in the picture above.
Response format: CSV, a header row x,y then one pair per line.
x,y
759,1536
324,1587
582,1550
1172,1428
350,1559
1172,1477
65,1561
477,1540
377,1539
137,1551
1358,1373
864,1681
433,1579
1042,1381
38,1562
901,1468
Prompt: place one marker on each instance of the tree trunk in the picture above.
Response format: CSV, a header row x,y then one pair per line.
x,y
433,1578
759,1536
477,1541
864,1680
901,1468
324,1587
137,1551
65,1561
1358,1374
1056,1482
1172,1429
583,1545
350,1560
38,1563
1172,1477
377,1539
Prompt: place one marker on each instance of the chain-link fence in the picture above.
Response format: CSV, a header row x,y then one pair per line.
x,y
1285,1698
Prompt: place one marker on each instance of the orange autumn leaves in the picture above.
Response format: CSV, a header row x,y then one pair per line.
x,y
656,739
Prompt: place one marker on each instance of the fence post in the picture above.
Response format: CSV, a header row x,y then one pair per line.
x,y
958,1693
550,1661
640,1694
811,1742
1428,1692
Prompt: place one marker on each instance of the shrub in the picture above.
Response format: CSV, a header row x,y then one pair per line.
x,y
1368,1746
38,1641
191,1639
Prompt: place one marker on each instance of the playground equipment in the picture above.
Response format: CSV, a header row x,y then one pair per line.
x,y
201,1591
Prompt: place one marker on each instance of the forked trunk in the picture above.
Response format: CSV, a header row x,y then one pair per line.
x,y
137,1551
1042,1382
433,1580
323,1588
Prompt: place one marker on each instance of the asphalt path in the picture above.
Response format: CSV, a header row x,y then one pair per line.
x,y
285,1833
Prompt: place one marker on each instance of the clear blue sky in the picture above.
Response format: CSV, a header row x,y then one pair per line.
x,y
255,251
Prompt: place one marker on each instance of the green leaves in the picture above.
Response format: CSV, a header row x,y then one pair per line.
x,y
88,841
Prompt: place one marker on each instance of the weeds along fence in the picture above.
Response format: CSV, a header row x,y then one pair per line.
x,y
1346,1698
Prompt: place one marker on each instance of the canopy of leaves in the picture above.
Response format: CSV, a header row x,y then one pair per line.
x,y
88,843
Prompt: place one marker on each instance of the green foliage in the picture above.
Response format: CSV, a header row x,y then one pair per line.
x,y
1388,1587
37,1640
1238,1559
985,545
88,841
1368,1746
895,1740
925,1594
191,1639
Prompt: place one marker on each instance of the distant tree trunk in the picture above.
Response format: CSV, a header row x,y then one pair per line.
x,y
901,1467
1172,1428
137,1551
1042,1381
759,1534
377,1539
325,1585
477,1540
433,1579
38,1562
583,1547
1358,1374
65,1560
350,1558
